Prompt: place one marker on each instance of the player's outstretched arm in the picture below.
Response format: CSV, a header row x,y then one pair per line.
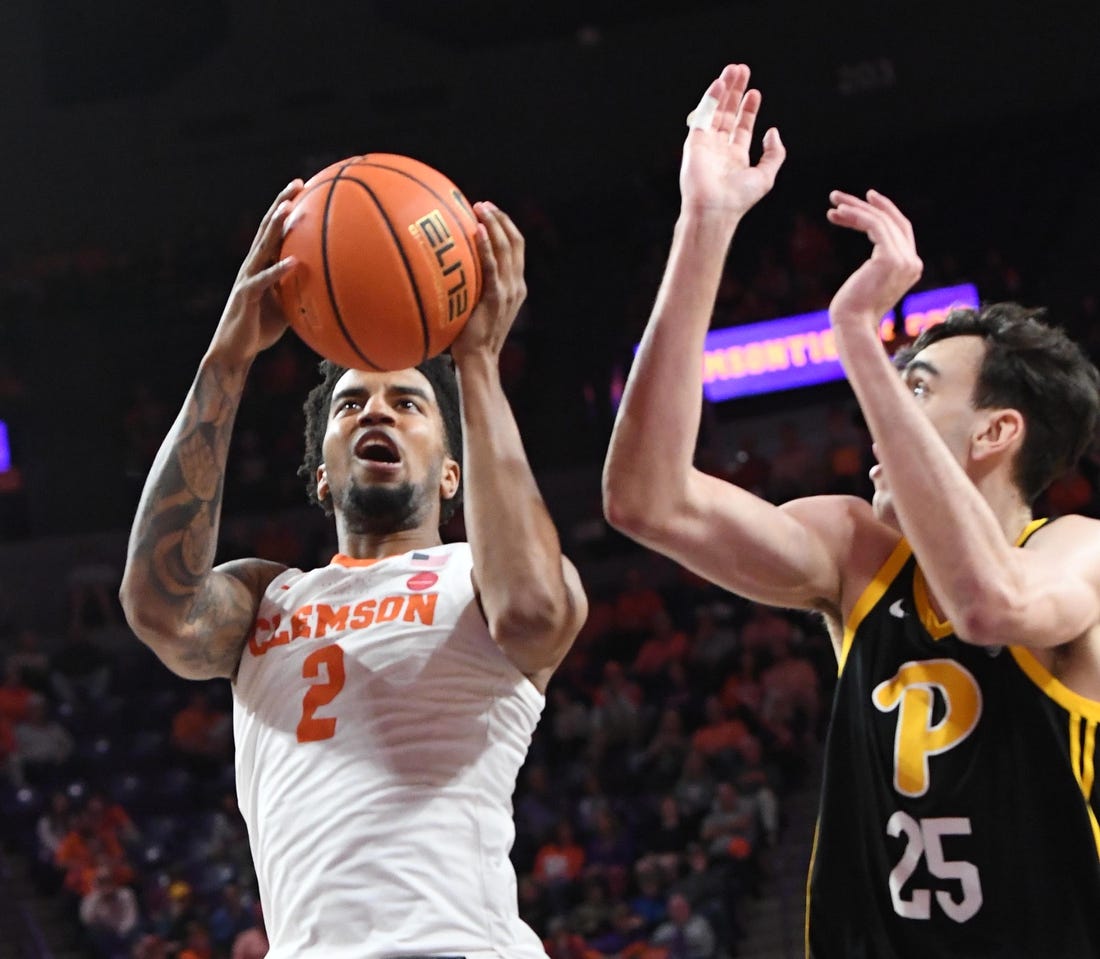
x,y
532,596
195,617
993,593
651,490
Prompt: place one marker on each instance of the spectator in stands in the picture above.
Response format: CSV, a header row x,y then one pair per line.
x,y
732,818
610,850
109,913
713,887
31,660
694,789
53,825
538,810
592,915
720,739
230,917
559,862
658,766
562,942
150,946
110,821
7,753
93,589
570,723
713,645
227,840
15,695
636,605
203,733
196,942
665,841
685,934
42,745
626,937
534,904
617,716
791,694
680,694
664,645
650,900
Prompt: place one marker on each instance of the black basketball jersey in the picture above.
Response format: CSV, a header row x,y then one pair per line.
x,y
959,804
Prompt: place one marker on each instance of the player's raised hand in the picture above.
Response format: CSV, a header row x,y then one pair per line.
x,y
716,175
893,266
501,248
253,319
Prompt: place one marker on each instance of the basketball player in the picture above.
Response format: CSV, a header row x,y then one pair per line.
x,y
959,807
383,704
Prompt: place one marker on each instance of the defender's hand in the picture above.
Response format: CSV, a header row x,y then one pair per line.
x,y
888,273
715,174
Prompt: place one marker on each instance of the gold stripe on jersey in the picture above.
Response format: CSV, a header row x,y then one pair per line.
x,y
939,628
1065,697
871,595
1081,759
809,879
1083,712
1088,768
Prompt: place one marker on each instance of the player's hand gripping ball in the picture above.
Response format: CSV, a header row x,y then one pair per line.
x,y
388,271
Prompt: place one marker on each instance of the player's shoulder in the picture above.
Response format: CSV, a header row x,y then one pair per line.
x,y
842,520
1072,531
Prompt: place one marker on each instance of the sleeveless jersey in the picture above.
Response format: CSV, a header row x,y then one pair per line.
x,y
379,731
959,804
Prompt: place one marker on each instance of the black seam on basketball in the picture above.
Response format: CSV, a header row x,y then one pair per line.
x,y
426,336
328,273
366,161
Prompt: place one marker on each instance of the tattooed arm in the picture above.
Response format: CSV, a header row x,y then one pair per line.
x,y
194,616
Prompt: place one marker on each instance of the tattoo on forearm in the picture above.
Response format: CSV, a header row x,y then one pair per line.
x,y
177,523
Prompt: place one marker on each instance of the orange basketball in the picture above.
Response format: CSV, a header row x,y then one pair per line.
x,y
388,269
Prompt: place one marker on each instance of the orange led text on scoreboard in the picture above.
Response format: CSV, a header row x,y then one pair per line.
x,y
810,348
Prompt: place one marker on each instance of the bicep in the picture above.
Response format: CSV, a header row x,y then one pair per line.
x,y
209,637
1057,590
538,646
785,556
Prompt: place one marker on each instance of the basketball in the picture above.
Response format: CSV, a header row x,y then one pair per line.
x,y
388,269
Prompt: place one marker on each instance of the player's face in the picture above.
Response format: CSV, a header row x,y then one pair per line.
x,y
385,463
941,378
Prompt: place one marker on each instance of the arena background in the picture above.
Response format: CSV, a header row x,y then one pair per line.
x,y
142,141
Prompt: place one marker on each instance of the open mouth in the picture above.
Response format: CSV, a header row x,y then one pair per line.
x,y
377,449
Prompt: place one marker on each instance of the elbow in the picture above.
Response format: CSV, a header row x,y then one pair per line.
x,y
135,606
534,617
630,511
988,617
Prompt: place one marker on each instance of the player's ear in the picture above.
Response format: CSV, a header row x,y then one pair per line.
x,y
450,477
322,483
1003,431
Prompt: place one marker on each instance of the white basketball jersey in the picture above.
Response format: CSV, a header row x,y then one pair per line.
x,y
379,732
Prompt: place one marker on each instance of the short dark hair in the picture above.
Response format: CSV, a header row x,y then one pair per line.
x,y
1035,368
439,371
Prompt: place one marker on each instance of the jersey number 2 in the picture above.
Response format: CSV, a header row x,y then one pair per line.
x,y
925,838
311,728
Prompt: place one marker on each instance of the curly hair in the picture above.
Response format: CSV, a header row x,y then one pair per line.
x,y
1037,369
438,371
